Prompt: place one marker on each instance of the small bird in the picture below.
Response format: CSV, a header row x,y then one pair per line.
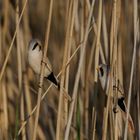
x,y
35,55
104,77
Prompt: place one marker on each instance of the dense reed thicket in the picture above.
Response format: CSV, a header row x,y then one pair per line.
x,y
77,36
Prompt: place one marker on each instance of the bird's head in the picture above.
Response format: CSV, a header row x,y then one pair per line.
x,y
34,44
103,73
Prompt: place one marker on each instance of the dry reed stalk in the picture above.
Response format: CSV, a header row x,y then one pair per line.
x,y
75,90
19,63
28,103
116,17
112,61
118,75
88,74
112,37
0,43
22,111
23,62
81,31
18,48
111,123
94,118
5,26
67,15
105,34
96,32
138,90
115,96
23,105
118,119
42,71
138,114
5,111
116,128
60,126
1,115
101,50
74,25
135,8
69,44
43,96
120,62
79,117
26,28
12,42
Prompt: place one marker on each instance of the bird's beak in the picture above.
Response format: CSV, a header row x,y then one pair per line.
x,y
52,78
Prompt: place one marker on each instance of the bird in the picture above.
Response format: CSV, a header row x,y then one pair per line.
x,y
104,78
35,55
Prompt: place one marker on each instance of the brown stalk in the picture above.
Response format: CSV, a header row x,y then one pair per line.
x,y
113,55
132,68
62,101
75,90
4,117
42,71
12,42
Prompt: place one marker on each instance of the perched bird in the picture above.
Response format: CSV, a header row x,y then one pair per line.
x,y
35,55
104,77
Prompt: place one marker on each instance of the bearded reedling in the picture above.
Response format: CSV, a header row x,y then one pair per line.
x,y
35,55
104,77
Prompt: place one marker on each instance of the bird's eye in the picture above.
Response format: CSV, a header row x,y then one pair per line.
x,y
36,44
101,71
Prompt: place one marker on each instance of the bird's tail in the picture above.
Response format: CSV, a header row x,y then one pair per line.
x,y
54,80
124,112
130,122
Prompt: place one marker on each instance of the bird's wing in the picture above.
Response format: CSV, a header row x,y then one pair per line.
x,y
48,64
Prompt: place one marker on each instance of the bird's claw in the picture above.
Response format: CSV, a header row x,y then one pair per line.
x,y
44,60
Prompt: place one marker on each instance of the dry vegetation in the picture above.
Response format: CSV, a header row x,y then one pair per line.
x,y
77,35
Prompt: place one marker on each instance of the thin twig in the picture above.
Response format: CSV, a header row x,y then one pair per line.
x,y
42,71
74,96
132,66
12,42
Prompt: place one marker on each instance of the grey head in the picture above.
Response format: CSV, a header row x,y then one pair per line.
x,y
103,72
35,44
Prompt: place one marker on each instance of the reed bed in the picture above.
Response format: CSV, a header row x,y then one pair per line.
x,y
77,36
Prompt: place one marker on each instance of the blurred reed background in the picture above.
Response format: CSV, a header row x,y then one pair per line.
x,y
83,34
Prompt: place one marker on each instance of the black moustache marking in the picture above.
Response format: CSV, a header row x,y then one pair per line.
x,y
121,104
35,45
101,70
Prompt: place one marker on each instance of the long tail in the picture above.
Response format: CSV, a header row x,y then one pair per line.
x,y
124,111
53,79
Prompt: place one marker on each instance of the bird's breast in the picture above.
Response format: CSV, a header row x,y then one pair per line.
x,y
35,61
